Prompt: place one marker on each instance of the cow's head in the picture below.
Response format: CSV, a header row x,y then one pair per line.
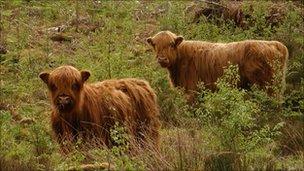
x,y
65,84
165,45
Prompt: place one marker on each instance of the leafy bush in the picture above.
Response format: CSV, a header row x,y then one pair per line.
x,y
241,121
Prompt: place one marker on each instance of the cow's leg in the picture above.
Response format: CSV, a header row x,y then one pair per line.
x,y
244,83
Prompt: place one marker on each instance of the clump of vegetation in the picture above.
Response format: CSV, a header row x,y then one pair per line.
x,y
237,119
227,129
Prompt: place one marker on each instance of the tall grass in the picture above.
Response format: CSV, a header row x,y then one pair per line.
x,y
230,129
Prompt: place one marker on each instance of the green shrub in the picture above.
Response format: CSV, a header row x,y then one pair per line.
x,y
238,119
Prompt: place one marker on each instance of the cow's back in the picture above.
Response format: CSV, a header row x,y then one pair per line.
x,y
255,58
135,105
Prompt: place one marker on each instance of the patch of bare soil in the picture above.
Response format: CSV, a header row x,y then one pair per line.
x,y
149,16
3,49
217,10
234,11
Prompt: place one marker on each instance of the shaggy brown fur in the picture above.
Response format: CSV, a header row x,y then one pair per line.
x,y
90,111
189,62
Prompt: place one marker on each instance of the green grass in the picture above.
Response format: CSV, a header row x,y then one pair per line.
x,y
191,139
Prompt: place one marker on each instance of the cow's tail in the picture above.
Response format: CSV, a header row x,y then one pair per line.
x,y
284,61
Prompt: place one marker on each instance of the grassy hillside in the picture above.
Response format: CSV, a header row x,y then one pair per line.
x,y
230,129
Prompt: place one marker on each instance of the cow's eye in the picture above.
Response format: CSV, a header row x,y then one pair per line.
x,y
75,86
172,45
52,87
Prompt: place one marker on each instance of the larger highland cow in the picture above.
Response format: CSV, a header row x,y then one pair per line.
x,y
190,62
90,111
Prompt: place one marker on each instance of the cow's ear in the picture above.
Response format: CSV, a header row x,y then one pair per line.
x,y
85,75
150,41
44,77
178,40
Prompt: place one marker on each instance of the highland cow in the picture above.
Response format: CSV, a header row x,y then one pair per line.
x,y
190,62
90,111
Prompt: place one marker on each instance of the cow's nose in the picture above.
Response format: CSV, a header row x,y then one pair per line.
x,y
162,59
64,100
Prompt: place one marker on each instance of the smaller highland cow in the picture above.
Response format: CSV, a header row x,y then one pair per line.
x,y
190,62
90,111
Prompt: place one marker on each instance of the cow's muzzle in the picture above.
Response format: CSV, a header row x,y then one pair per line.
x,y
164,62
64,103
